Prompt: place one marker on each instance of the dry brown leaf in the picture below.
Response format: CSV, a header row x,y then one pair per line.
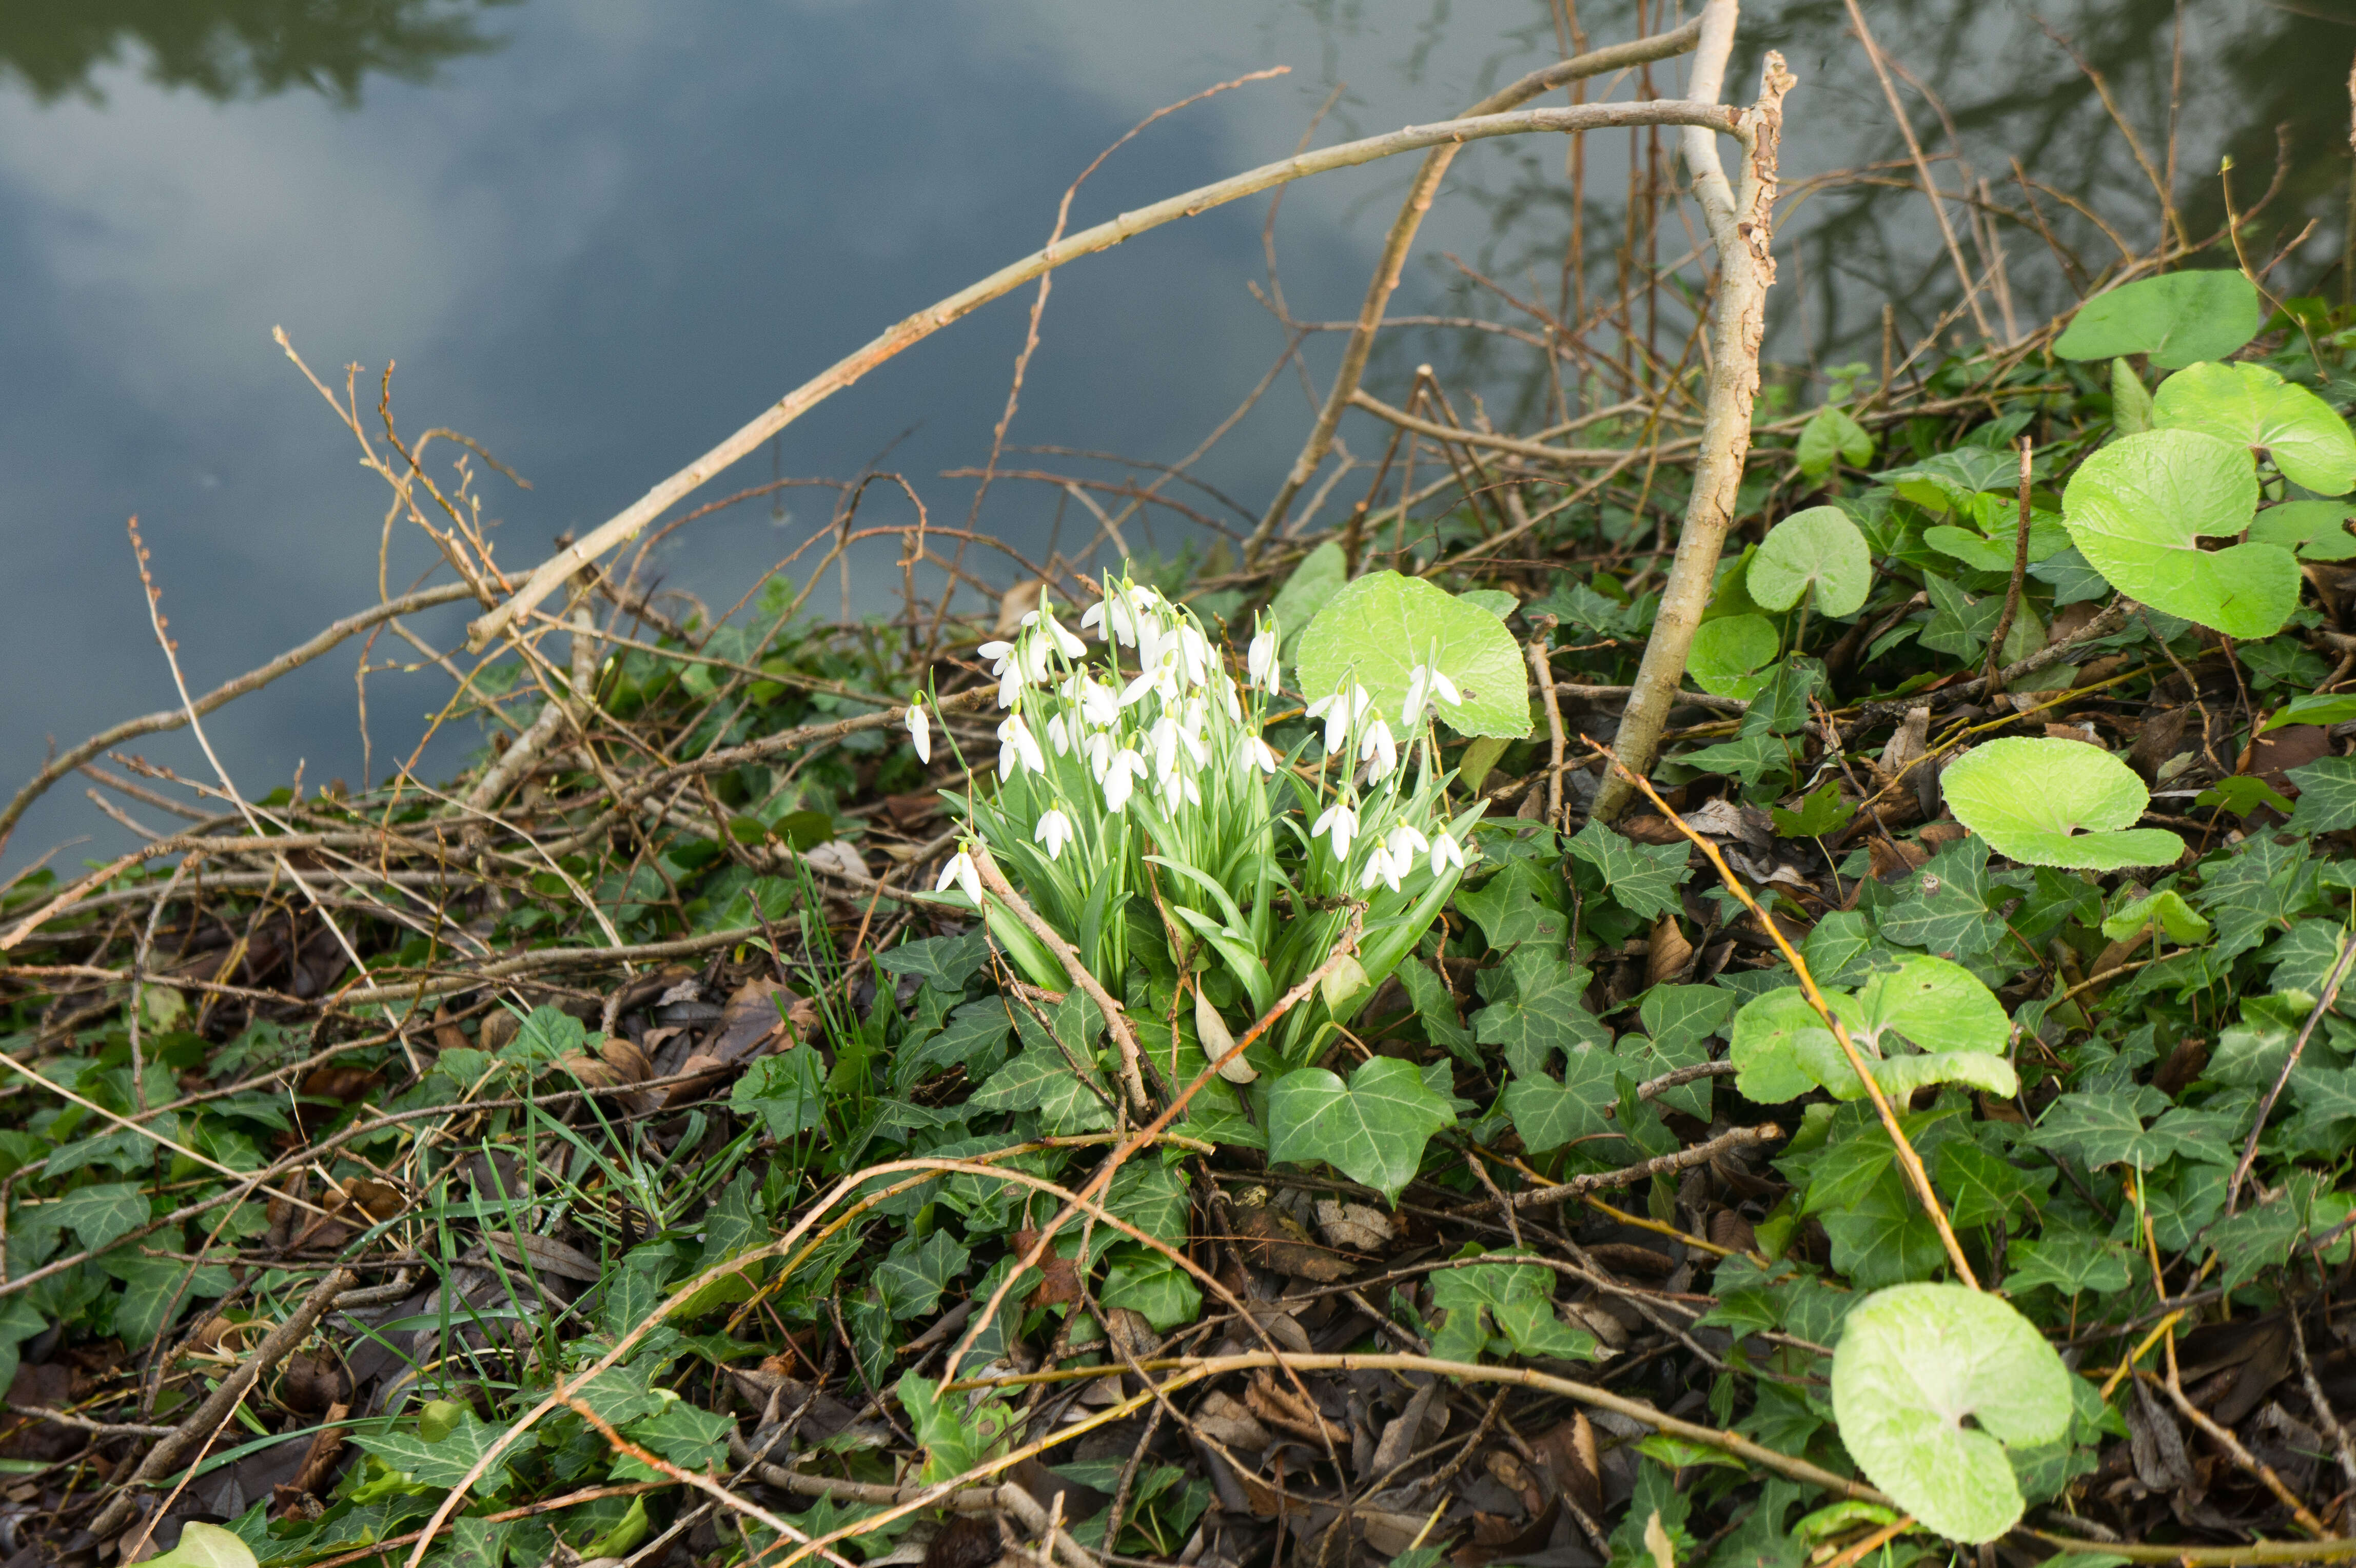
x,y
1279,1406
1667,954
1231,1422
1275,1241
1352,1227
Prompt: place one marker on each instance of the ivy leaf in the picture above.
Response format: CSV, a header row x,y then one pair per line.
x,y
1831,434
152,1288
2056,803
1885,1238
2137,509
689,1437
1517,905
2104,1127
955,1435
1676,1016
2262,1236
1943,906
1914,1363
1984,1187
1550,1114
946,962
786,1090
1167,1298
1518,1299
101,1215
444,1463
1373,1130
1381,627
2327,795
2259,887
1643,878
914,1273
1824,811
1820,549
1546,1013
2251,406
1727,652
1039,1079
1435,1006
2069,1260
2177,319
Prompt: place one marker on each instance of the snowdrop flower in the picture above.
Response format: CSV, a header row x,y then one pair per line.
x,y
1054,831
960,870
1121,777
1344,824
1446,690
1379,752
1099,705
1163,738
1098,748
1194,654
1424,682
1059,734
1179,789
1227,695
1403,843
1018,749
1381,868
1260,662
920,732
1009,681
1000,654
1445,853
1254,752
1043,617
1190,729
1339,712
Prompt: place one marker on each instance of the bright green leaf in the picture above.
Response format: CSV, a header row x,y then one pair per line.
x,y
1831,434
1727,652
1914,1364
2130,399
2318,531
2251,406
206,1545
2176,319
1821,549
1381,627
2168,909
2137,509
2056,803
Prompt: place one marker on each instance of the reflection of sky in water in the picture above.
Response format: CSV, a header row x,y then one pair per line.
x,y
600,247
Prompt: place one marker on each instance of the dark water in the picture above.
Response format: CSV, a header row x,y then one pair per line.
x,y
598,236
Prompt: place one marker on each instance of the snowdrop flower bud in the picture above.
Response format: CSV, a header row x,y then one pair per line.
x,y
920,732
1377,751
1254,752
1218,1041
960,870
1445,853
1344,824
1259,660
1054,831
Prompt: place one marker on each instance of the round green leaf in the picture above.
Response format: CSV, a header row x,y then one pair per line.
x,y
1821,549
2137,509
2251,406
1727,650
2318,531
2176,319
1765,1047
2056,803
1914,1363
2167,910
206,1545
1381,627
1937,1005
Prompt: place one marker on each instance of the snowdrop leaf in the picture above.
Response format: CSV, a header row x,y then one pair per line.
x,y
2137,509
1916,1363
2056,803
1379,627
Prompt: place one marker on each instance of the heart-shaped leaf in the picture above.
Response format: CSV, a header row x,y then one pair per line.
x,y
2318,531
206,1545
1821,549
1914,1363
1379,627
2056,803
1372,1131
2137,509
2250,405
2176,319
1727,652
1933,1002
1781,1048
1832,433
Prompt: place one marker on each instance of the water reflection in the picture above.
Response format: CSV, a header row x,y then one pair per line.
x,y
238,48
